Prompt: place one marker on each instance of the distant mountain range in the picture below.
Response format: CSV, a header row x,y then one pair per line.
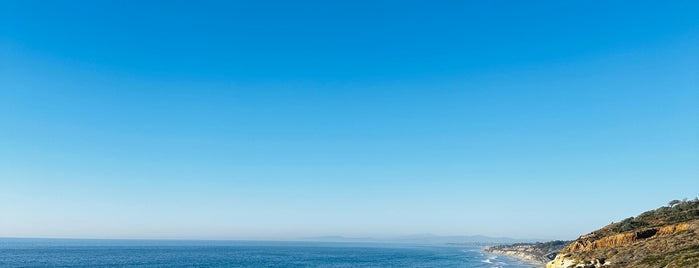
x,y
424,239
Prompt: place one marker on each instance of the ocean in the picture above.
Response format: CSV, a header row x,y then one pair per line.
x,y
161,253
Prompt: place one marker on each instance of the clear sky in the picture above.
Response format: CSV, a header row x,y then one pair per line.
x,y
277,120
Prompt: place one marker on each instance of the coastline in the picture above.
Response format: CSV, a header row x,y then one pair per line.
x,y
526,258
537,254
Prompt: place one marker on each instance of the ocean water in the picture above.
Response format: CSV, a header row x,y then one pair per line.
x,y
142,253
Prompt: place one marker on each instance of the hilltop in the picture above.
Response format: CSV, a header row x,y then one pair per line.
x,y
664,237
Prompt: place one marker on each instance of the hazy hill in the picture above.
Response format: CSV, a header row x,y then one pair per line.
x,y
422,239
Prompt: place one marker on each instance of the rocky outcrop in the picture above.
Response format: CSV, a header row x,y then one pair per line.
x,y
666,237
588,243
647,247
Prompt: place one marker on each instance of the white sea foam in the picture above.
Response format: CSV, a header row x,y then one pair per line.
x,y
490,259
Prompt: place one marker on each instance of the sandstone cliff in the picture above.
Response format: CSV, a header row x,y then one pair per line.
x,y
665,237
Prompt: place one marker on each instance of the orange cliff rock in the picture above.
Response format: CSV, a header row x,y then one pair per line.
x,y
593,250
587,243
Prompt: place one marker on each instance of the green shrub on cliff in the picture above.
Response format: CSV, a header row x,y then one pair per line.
x,y
628,224
664,237
676,211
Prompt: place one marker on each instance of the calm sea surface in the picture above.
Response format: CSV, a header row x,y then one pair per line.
x,y
139,253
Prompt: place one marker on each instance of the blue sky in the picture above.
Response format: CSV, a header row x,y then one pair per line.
x,y
278,120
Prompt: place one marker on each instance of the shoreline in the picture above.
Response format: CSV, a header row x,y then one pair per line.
x,y
526,258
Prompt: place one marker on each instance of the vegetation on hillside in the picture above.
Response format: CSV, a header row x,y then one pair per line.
x,y
663,237
677,211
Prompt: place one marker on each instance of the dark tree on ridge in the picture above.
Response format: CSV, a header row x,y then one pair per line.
x,y
673,203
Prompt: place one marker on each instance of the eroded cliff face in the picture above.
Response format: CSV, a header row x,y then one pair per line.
x,y
588,242
663,246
